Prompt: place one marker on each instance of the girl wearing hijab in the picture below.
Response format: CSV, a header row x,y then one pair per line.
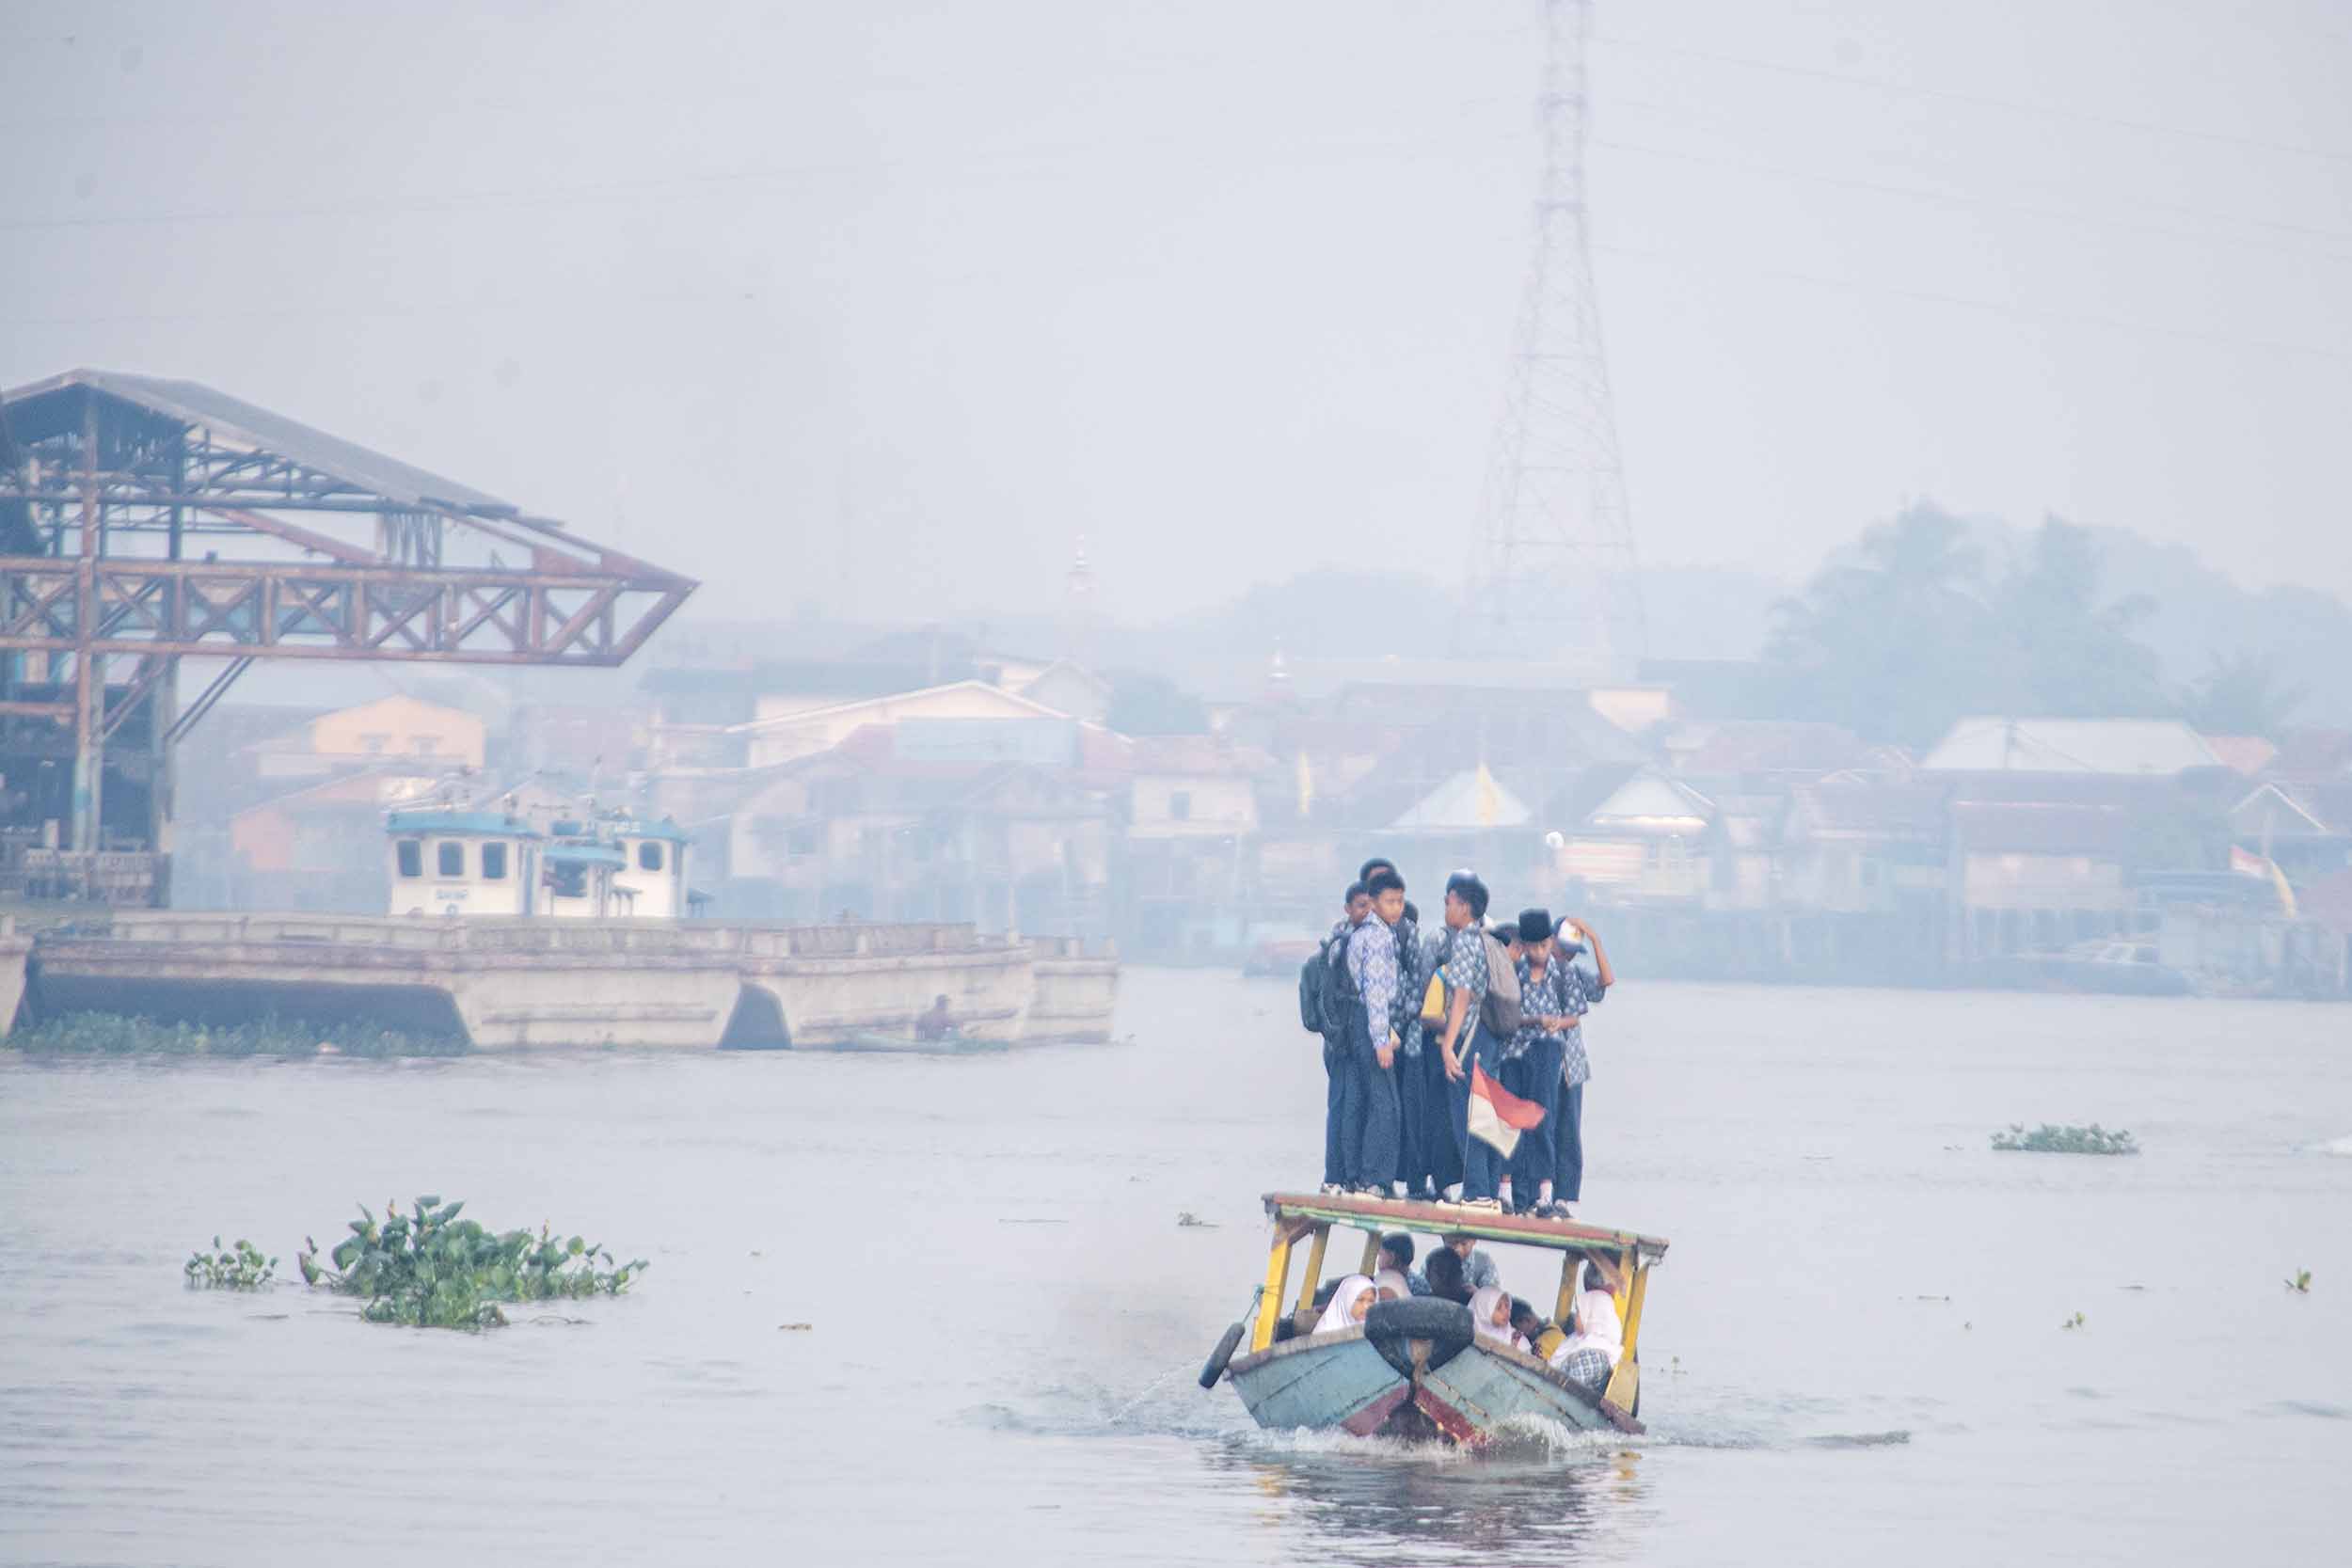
x,y
1349,1302
1490,1317
1392,1284
1591,1352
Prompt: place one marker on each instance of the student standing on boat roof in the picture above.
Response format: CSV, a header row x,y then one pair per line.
x,y
1413,1100
1582,991
1355,909
1464,1045
1531,1061
1368,1127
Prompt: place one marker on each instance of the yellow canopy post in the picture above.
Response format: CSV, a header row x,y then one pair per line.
x,y
1568,1265
1314,1268
1278,1268
1371,1252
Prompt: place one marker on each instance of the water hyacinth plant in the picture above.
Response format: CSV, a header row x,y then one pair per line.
x,y
125,1035
238,1268
2047,1139
430,1269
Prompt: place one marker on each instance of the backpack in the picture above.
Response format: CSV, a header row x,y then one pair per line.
x,y
1311,992
1325,989
1498,1014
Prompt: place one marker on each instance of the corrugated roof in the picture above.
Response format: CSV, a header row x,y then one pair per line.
x,y
242,423
2129,747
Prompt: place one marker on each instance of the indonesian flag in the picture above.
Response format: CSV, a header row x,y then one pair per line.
x,y
1497,1114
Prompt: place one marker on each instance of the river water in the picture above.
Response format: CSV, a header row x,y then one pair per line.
x,y
1854,1353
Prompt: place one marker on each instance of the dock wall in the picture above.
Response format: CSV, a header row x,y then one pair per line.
x,y
518,984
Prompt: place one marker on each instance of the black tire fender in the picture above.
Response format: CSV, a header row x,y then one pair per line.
x,y
1393,1326
1214,1368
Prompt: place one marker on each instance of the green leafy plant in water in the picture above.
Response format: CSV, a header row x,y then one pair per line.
x,y
2050,1139
127,1035
238,1268
2075,1321
430,1269
2301,1283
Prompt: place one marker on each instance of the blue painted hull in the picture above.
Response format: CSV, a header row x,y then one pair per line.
x,y
1339,1381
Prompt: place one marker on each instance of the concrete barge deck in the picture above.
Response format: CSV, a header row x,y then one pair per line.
x,y
520,983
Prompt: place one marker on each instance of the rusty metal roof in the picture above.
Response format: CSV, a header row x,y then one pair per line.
x,y
33,408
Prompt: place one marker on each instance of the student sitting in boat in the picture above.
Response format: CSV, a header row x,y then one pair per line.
x,y
1591,1352
1441,1277
1525,1323
1392,1284
1478,1269
1349,1302
1396,1254
1490,1317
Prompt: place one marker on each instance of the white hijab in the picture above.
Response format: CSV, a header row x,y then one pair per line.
x,y
1393,1280
1596,1328
1340,1314
1482,1309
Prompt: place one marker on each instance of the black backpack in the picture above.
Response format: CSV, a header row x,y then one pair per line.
x,y
1327,988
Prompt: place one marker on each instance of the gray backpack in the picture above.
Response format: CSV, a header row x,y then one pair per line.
x,y
1498,1014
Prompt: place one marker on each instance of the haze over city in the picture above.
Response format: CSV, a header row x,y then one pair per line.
x,y
881,308
1470,781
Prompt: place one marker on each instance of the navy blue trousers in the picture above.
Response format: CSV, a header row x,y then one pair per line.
x,y
1368,1108
1482,1163
1536,1076
1334,1094
1568,1170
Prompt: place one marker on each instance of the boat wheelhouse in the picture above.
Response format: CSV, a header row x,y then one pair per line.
x,y
1416,1368
464,861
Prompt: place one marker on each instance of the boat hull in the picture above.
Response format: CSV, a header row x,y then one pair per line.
x,y
1340,1381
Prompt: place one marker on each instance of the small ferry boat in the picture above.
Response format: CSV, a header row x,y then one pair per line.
x,y
1415,1367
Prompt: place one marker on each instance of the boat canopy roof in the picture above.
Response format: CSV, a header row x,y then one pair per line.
x,y
1376,1214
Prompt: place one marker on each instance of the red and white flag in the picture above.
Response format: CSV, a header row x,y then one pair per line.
x,y
1497,1114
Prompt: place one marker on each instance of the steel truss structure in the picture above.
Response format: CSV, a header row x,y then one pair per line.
x,y
144,521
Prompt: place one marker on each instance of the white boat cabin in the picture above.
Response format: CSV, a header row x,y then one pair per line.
x,y
653,877
464,863
452,860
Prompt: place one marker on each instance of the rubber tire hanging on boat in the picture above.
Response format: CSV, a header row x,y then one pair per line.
x,y
1217,1357
1393,1326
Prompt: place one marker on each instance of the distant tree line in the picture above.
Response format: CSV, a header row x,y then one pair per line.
x,y
1919,629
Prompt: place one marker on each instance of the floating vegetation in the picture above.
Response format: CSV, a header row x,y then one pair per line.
x,y
2301,1283
2075,1321
429,1269
127,1035
1187,1220
2049,1139
238,1268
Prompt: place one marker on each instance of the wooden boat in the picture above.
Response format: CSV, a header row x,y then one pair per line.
x,y
1414,1369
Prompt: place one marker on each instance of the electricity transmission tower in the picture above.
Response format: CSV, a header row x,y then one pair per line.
x,y
1556,579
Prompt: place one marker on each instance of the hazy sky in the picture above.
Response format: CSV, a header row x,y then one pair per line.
x,y
884,305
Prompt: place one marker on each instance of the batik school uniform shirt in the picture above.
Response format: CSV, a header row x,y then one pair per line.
x,y
1372,961
1465,970
1582,991
1420,962
1540,997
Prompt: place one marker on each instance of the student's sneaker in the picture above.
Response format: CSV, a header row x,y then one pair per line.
x,y
1369,1190
1451,1196
1484,1205
1398,1190
1331,1189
